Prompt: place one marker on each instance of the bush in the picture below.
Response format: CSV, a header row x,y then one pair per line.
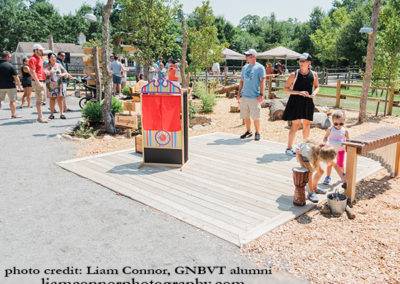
x,y
85,131
92,112
116,106
192,109
126,92
199,88
208,102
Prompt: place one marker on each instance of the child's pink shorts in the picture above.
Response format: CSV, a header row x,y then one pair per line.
x,y
340,158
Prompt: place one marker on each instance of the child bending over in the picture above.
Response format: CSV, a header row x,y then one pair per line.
x,y
309,156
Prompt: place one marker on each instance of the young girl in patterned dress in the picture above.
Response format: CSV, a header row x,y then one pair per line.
x,y
335,136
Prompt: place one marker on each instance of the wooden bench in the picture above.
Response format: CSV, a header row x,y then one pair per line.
x,y
382,144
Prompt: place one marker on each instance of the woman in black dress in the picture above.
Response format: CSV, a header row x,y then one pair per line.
x,y
26,83
300,105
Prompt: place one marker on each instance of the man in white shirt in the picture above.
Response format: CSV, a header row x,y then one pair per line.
x,y
216,69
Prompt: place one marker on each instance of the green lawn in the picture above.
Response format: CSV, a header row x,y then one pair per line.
x,y
351,102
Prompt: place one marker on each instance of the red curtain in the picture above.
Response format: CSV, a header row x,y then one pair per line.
x,y
160,112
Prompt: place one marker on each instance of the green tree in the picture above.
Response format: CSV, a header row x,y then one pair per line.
x,y
12,23
147,22
204,45
387,57
326,38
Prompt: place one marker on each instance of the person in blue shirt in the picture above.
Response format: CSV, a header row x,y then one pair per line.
x,y
250,95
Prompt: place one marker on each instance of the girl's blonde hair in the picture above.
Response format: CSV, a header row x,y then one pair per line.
x,y
338,114
321,152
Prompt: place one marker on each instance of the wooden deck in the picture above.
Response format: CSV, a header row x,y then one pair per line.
x,y
235,189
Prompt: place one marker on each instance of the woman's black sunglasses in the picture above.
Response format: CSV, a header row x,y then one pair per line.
x,y
337,124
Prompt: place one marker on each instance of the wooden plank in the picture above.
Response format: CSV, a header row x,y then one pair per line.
x,y
236,195
140,195
351,172
186,194
139,144
172,196
129,105
128,121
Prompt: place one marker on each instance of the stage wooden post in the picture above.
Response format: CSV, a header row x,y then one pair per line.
x,y
391,97
338,85
269,87
351,171
397,162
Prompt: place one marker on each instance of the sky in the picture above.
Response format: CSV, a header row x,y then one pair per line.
x,y
232,10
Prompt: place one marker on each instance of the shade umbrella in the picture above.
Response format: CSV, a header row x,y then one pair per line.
x,y
229,54
279,52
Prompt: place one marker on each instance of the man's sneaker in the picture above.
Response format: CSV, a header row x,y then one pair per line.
x,y
257,136
327,180
42,120
312,196
246,135
290,152
320,190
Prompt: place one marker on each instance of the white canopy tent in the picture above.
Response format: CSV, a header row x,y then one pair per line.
x,y
279,52
229,54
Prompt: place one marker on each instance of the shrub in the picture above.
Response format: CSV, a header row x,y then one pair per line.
x,y
199,88
85,131
92,112
116,106
126,91
208,102
192,109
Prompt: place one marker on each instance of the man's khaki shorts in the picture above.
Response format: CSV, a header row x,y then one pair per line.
x,y
250,108
40,92
12,94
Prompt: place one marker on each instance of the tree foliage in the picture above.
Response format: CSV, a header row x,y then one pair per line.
x,y
204,45
147,29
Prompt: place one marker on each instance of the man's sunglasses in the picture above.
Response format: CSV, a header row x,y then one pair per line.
x,y
337,123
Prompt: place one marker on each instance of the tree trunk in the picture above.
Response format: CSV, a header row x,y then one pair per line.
x,y
227,89
184,51
369,63
97,72
51,42
276,109
107,75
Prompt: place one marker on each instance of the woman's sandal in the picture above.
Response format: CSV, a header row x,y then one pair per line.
x,y
62,116
51,116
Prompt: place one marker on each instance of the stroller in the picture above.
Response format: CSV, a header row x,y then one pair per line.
x,y
90,91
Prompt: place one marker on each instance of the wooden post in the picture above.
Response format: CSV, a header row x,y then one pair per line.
x,y
351,172
206,81
97,71
397,162
225,79
277,81
269,86
338,85
51,43
391,97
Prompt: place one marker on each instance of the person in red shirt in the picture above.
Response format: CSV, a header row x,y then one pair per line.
x,y
38,77
173,68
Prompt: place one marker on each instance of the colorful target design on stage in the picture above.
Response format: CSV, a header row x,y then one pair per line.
x,y
163,138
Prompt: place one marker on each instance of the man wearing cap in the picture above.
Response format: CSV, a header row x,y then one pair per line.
x,y
60,60
38,76
250,96
8,78
300,106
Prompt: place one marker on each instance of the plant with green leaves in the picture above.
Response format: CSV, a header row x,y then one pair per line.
x,y
85,131
326,38
126,92
92,112
208,102
205,48
387,57
146,22
192,109
116,106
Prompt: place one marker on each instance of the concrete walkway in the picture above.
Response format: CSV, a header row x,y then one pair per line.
x,y
51,218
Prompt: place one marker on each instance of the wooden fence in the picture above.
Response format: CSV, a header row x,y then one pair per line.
x,y
388,100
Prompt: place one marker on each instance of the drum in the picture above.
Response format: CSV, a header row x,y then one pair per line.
x,y
300,179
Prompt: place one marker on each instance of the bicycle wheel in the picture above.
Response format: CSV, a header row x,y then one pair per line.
x,y
82,102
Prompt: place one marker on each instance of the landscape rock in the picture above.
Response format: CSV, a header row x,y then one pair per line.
x,y
108,137
197,127
321,120
67,137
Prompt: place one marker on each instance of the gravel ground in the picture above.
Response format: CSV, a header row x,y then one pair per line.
x,y
51,218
